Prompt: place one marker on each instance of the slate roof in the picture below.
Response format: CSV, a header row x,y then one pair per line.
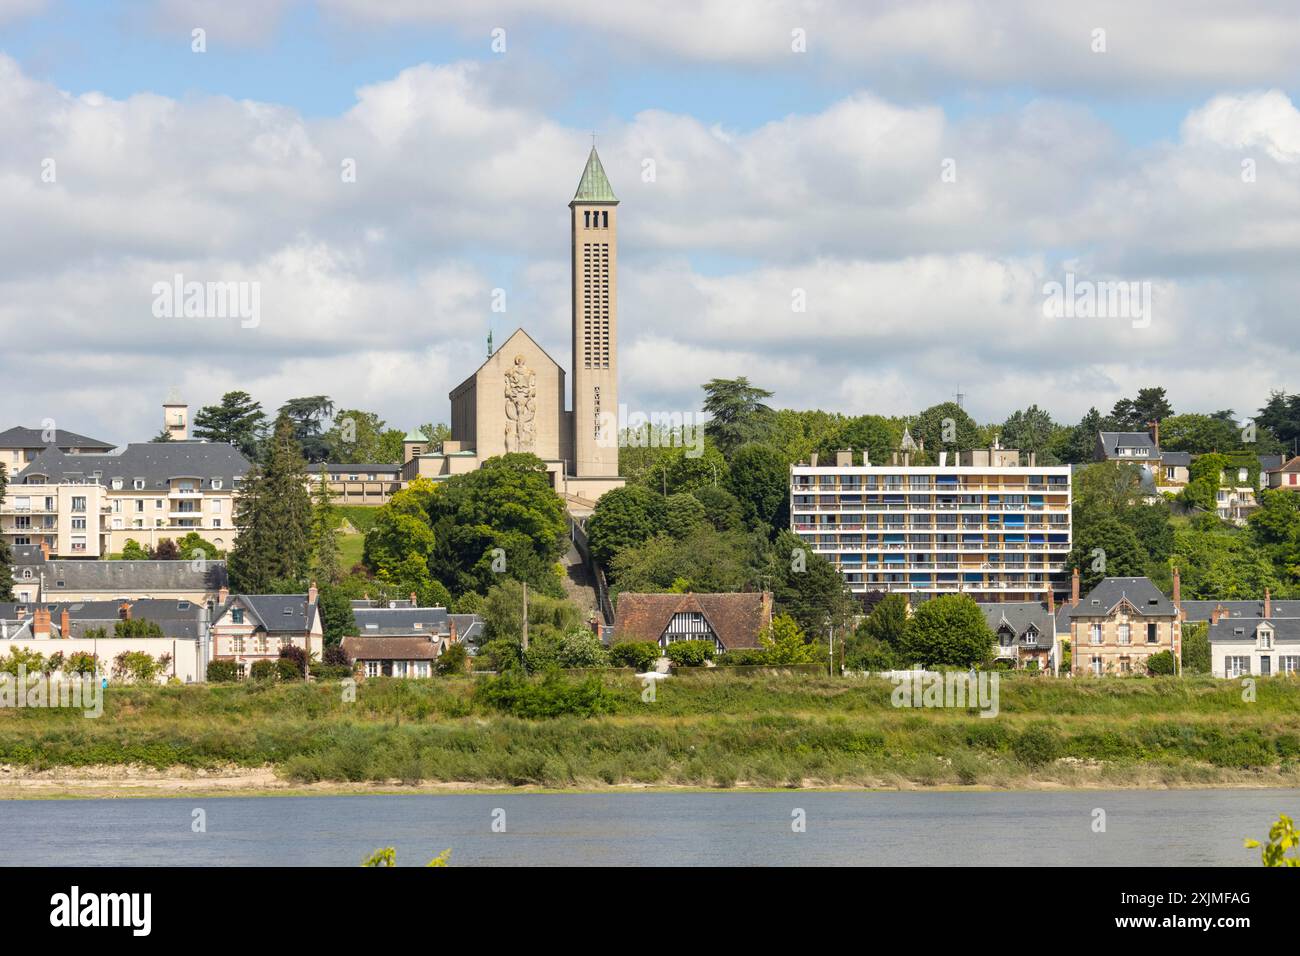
x,y
1292,465
1286,630
390,622
1111,441
737,619
1147,599
1177,459
129,578
1270,462
19,437
156,462
178,619
390,648
1020,615
469,628
1200,610
277,613
27,554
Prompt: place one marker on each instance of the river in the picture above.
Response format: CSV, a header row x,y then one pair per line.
x,y
1160,828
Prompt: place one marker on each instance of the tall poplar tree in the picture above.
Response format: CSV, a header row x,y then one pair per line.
x,y
273,513
324,535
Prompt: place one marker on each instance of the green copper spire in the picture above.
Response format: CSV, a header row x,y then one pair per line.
x,y
594,186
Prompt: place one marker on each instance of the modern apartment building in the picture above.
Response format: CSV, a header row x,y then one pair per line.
x,y
982,523
87,505
19,446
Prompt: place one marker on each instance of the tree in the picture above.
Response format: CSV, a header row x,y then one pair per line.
x,y
737,413
1281,417
335,607
1196,648
162,436
678,469
721,509
1079,444
6,557
1199,434
807,586
706,560
872,434
362,437
1029,430
948,631
1134,414
237,421
194,547
1106,549
308,416
324,563
1223,562
402,527
946,427
133,550
1203,481
684,515
760,480
623,518
887,621
784,642
165,550
273,514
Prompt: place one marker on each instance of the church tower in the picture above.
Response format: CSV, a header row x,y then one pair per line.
x,y
594,211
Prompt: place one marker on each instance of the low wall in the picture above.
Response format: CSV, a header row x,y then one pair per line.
x,y
185,663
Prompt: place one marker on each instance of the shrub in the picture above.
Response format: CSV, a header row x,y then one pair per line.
x,y
553,696
335,656
264,670
222,672
286,669
1036,745
639,655
454,660
135,667
297,657
330,671
499,655
689,653
743,657
1161,663
80,662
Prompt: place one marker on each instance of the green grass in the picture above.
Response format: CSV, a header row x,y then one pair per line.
x,y
350,549
362,517
721,731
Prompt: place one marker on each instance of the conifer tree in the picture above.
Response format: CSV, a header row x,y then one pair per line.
x,y
324,535
273,513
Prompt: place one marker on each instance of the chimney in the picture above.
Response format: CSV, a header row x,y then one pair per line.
x,y
812,460
1033,459
1178,592
312,593
21,613
451,629
223,596
1074,588
124,611
45,550
1051,601
1217,614
64,630
1268,604
40,624
415,599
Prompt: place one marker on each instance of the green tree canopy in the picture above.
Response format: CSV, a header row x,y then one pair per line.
x,y
737,412
948,631
273,514
237,420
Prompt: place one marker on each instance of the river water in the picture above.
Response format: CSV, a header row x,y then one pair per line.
x,y
1159,828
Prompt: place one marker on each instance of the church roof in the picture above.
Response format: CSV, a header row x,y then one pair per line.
x,y
594,186
415,435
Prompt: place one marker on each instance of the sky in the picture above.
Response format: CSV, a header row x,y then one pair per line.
x,y
861,206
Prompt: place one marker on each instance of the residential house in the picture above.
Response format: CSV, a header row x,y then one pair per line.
x,y
1142,448
19,446
1025,634
87,505
1285,475
404,640
1250,637
1119,624
247,628
38,578
730,621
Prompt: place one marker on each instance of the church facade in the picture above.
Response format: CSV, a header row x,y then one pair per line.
x,y
516,400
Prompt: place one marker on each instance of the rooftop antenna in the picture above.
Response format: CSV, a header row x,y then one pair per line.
x,y
960,396
489,355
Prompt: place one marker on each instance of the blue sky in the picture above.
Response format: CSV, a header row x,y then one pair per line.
x,y
776,171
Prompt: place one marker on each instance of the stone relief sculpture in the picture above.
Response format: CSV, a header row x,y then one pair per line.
x,y
521,407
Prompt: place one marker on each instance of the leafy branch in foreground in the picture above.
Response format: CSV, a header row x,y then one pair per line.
x,y
387,856
1282,836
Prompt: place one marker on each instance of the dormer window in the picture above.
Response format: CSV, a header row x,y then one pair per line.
x,y
216,484
117,484
138,484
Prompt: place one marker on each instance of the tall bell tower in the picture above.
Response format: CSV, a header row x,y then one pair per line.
x,y
594,212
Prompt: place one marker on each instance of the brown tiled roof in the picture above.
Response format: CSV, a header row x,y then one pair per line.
x,y
737,619
390,648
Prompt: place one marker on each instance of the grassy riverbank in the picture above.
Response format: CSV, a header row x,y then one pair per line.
x,y
710,730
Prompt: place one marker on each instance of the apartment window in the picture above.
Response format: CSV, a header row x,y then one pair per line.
x,y
157,503
117,484
216,522
1094,633
216,484
138,484
78,503
78,524
139,504
216,506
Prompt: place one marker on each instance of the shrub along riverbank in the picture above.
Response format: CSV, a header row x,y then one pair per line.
x,y
724,731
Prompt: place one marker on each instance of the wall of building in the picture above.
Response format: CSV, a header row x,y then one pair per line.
x,y
186,663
